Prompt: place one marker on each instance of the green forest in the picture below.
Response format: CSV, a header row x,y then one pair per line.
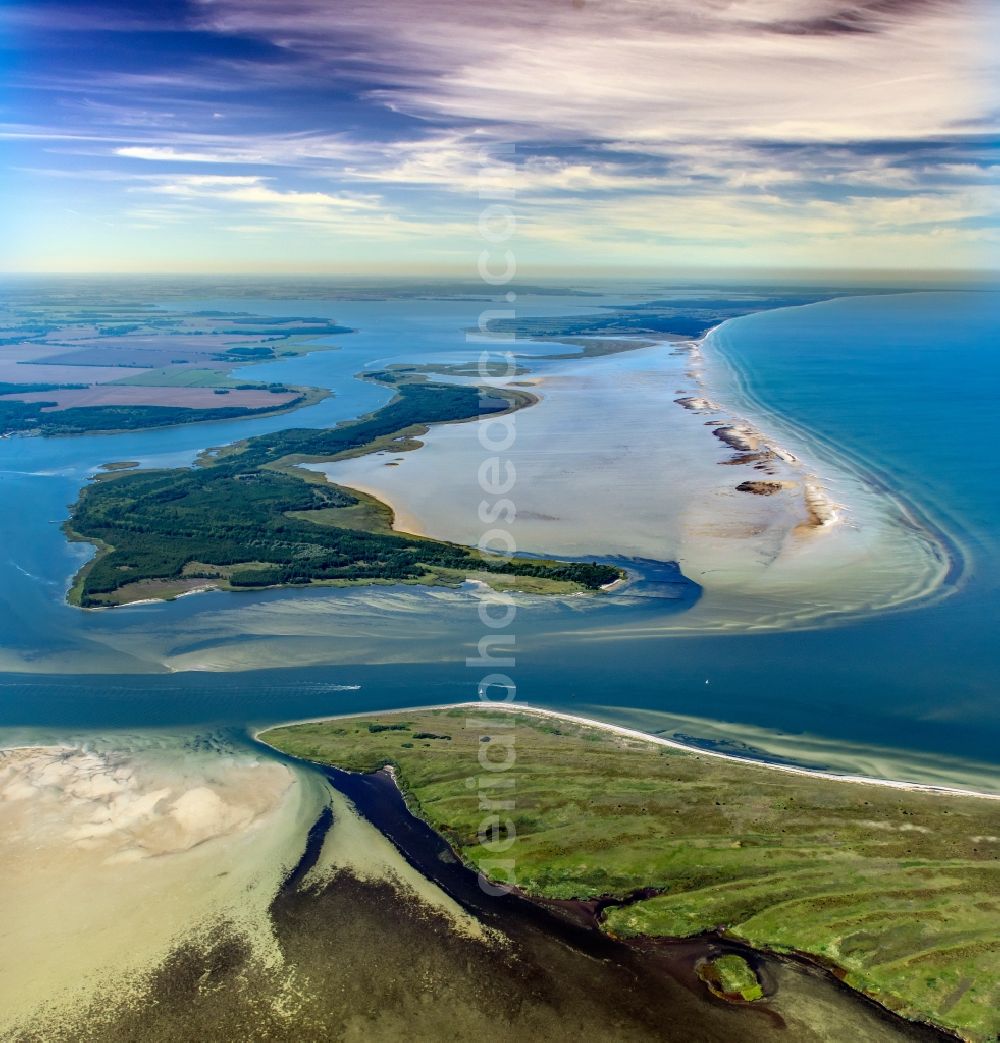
x,y
29,417
232,512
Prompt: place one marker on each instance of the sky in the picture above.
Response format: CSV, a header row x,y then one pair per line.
x,y
410,136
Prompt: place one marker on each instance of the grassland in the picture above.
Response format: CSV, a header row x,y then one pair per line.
x,y
185,377
731,977
898,890
250,518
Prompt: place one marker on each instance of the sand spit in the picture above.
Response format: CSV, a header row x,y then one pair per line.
x,y
741,437
115,851
752,448
355,846
759,488
632,733
636,734
746,439
823,512
698,405
791,559
761,460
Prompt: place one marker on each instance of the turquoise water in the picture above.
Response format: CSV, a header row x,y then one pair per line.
x,y
904,385
907,385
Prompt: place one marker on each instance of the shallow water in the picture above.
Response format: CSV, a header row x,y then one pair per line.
x,y
608,463
899,386
888,399
116,847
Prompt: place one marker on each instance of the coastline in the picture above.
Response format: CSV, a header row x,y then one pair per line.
x,y
181,835
752,446
308,396
280,458
634,733
633,910
763,418
578,921
779,552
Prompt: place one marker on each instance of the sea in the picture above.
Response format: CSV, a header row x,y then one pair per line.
x,y
900,387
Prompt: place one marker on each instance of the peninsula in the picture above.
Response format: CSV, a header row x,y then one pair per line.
x,y
250,517
890,887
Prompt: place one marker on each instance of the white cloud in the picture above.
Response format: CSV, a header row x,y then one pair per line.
x,y
167,153
713,128
267,208
301,206
258,150
464,162
652,70
908,231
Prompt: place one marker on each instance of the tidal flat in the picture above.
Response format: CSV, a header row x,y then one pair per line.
x,y
828,546
876,692
117,846
249,517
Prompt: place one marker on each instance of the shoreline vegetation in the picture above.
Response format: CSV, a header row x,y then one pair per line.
x,y
791,539
36,419
249,516
892,887
681,317
781,474
326,932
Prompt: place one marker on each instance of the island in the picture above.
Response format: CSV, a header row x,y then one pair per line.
x,y
249,516
890,887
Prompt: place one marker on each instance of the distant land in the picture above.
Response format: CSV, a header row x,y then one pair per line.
x,y
681,316
75,366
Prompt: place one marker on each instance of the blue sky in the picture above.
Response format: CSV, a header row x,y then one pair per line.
x,y
308,136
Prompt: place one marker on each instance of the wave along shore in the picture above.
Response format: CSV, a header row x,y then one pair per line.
x,y
663,844
825,465
632,454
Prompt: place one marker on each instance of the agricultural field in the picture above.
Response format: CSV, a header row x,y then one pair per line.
x,y
896,889
187,376
129,366
181,396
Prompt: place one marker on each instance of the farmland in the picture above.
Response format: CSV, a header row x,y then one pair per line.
x,y
141,366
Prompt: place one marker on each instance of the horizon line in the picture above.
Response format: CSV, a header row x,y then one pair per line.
x,y
540,274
